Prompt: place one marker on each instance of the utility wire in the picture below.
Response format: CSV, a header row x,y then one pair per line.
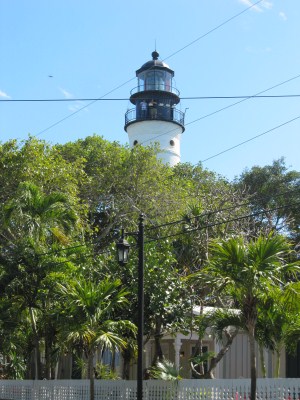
x,y
204,214
146,98
131,79
252,138
190,98
214,29
254,214
229,106
226,107
231,208
185,232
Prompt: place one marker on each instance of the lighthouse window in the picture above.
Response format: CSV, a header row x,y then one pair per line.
x,y
172,143
159,80
155,80
141,83
135,142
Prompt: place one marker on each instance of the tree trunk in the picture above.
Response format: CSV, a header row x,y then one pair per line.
x,y
277,367
47,358
158,353
37,356
198,351
91,374
198,373
262,361
126,355
215,360
113,361
49,363
252,361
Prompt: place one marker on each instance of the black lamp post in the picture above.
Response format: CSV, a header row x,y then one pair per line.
x,y
123,251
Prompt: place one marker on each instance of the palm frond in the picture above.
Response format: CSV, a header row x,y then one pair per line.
x,y
165,370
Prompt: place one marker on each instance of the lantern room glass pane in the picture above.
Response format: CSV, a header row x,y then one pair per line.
x,y
154,79
141,82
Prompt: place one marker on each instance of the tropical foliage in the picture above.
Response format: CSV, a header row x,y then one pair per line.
x,y
208,242
251,273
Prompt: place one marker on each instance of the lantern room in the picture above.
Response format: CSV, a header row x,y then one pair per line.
x,y
155,97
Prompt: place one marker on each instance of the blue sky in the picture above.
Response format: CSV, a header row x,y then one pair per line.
x,y
93,47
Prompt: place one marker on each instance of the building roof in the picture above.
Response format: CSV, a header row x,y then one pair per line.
x,y
155,63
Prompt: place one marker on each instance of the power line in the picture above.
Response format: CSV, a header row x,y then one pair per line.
x,y
210,213
214,29
185,232
254,214
93,100
226,107
229,106
146,98
204,214
252,138
131,79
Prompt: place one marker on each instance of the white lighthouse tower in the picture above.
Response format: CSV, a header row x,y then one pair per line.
x,y
155,118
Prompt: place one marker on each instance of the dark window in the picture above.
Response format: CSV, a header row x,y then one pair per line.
x,y
293,364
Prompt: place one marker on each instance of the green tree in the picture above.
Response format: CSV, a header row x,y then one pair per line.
x,y
274,191
89,318
224,325
166,299
33,223
249,273
272,323
35,161
121,183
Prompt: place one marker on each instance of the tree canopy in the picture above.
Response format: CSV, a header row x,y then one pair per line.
x,y
62,207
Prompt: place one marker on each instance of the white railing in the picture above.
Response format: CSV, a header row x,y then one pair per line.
x,y
217,389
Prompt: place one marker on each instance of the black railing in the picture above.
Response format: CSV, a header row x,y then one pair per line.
x,y
162,113
155,86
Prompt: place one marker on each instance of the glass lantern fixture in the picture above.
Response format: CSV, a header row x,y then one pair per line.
x,y
123,250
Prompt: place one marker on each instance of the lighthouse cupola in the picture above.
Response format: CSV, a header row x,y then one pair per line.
x,y
155,117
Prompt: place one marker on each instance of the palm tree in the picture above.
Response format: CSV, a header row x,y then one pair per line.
x,y
90,319
33,223
42,217
249,273
164,370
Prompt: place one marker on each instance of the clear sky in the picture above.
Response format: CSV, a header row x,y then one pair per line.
x,y
56,49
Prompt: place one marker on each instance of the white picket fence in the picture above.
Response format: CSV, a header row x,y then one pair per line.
x,y
187,389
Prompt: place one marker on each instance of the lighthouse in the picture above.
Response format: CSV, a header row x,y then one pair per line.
x,y
155,117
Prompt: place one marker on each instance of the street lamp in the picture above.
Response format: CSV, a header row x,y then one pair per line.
x,y
123,248
123,251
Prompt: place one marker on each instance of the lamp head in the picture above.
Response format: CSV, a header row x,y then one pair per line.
x,y
122,250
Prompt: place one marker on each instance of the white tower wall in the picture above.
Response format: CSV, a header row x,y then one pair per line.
x,y
166,134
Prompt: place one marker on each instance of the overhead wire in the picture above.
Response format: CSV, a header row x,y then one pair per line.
x,y
131,79
210,213
176,222
214,29
149,98
250,139
226,107
223,222
188,231
243,98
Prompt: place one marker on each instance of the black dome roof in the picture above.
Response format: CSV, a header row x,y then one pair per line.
x,y
155,63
